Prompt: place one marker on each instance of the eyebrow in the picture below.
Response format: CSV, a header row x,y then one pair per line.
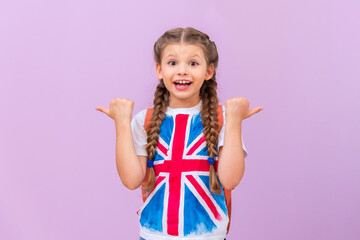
x,y
171,55
195,56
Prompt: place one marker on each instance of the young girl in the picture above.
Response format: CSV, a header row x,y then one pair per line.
x,y
191,156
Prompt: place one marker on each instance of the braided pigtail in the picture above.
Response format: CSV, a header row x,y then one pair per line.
x,y
210,122
161,101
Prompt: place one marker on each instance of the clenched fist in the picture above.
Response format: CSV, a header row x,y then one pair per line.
x,y
120,109
237,109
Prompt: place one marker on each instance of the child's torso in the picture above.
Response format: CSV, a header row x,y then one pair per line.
x,y
181,203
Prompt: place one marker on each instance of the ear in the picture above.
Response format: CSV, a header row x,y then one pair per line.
x,y
158,71
209,72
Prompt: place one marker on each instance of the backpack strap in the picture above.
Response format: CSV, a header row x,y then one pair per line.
x,y
147,125
220,118
148,116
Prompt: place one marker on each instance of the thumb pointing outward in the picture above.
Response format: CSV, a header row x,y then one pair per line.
x,y
256,110
102,109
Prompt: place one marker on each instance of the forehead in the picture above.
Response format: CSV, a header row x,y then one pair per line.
x,y
182,49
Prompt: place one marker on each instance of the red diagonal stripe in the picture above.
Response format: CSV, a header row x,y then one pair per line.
x,y
158,180
162,148
196,145
203,194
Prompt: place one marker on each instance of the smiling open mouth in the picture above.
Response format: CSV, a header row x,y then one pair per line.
x,y
182,85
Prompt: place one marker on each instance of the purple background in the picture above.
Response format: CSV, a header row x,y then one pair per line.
x,y
300,60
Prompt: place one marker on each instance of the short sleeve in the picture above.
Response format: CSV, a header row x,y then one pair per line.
x,y
222,135
139,133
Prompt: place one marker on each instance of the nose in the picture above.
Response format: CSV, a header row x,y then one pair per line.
x,y
182,69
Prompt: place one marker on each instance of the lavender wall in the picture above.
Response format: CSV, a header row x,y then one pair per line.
x,y
60,59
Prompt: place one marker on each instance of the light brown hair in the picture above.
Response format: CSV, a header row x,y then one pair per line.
x,y
208,96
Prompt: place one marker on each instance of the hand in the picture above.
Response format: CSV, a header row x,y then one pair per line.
x,y
120,109
238,109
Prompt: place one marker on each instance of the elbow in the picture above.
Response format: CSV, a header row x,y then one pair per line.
x,y
130,185
130,181
229,182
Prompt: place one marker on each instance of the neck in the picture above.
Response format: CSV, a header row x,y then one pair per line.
x,y
183,104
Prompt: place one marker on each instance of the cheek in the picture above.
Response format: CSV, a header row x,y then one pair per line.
x,y
167,83
201,75
168,73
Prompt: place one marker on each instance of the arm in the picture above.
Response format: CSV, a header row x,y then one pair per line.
x,y
130,167
231,165
231,157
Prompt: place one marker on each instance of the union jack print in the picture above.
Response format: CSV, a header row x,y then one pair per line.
x,y
181,203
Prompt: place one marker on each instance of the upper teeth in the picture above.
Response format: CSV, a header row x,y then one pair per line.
x,y
182,82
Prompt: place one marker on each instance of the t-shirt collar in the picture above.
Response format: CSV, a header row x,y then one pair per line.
x,y
192,110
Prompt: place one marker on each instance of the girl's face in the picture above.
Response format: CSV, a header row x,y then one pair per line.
x,y
183,69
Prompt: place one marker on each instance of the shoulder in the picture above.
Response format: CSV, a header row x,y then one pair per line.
x,y
141,114
139,118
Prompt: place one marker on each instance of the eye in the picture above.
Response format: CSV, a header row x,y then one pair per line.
x,y
193,63
172,63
